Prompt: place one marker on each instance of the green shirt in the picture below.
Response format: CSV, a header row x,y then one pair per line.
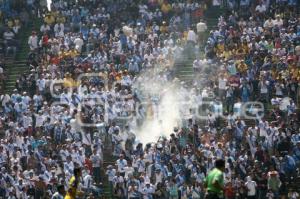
x,y
213,176
274,183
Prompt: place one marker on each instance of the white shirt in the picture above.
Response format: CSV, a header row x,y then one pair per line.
x,y
37,99
251,186
87,181
118,179
279,22
191,36
5,98
111,174
39,120
41,83
149,57
45,28
27,121
269,24
59,30
261,8
68,168
201,27
121,165
148,191
59,25
57,196
216,2
8,35
96,160
264,88
197,64
78,44
222,83
33,42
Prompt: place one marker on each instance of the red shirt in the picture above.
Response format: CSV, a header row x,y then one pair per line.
x,y
88,164
55,60
229,192
45,39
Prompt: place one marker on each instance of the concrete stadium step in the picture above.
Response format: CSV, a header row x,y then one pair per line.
x,y
15,68
108,160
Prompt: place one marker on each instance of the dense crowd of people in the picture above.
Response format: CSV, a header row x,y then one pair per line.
x,y
91,65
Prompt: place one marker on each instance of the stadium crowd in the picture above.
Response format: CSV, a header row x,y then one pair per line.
x,y
86,61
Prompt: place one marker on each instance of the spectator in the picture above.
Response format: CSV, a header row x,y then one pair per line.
x,y
33,41
10,42
251,187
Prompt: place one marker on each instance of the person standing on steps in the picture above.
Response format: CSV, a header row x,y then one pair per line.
x,y
201,28
33,42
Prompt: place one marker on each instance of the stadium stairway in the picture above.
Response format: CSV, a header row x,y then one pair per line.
x,y
109,159
15,68
184,65
184,69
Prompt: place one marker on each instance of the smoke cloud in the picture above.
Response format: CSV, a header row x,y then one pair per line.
x,y
161,101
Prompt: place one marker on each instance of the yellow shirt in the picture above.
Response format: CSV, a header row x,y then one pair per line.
x,y
73,53
242,67
73,184
160,2
60,19
70,82
245,48
227,54
294,72
220,49
163,29
165,8
240,52
49,19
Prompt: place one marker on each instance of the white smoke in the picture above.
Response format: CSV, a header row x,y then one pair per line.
x,y
166,116
162,104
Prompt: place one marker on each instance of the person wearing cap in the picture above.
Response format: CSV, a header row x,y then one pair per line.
x,y
214,181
